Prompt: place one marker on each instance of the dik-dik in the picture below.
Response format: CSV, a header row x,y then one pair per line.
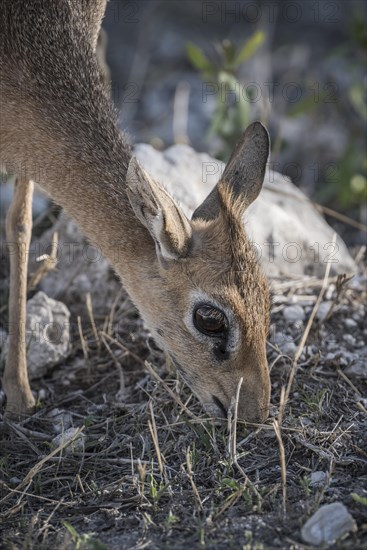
x,y
196,282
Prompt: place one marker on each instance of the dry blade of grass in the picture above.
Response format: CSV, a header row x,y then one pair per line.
x,y
38,467
282,465
89,305
304,338
153,432
170,392
233,444
121,393
82,339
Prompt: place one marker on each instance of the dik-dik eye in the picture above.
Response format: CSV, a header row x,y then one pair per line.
x,y
210,320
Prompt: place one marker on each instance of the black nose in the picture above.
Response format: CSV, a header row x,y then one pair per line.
x,y
219,404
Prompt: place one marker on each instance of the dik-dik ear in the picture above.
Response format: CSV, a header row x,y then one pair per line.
x,y
158,212
243,174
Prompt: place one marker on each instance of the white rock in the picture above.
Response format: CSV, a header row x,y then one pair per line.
x,y
294,313
61,420
291,237
80,268
328,524
14,481
289,348
323,310
76,446
48,334
42,394
358,369
317,478
350,323
349,339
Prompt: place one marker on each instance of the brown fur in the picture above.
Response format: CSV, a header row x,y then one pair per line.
x,y
58,128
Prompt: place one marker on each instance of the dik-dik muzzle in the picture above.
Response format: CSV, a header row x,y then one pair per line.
x,y
209,301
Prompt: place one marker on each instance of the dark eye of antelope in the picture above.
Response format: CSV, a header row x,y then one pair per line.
x,y
210,320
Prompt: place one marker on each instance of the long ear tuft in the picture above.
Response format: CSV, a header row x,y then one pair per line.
x,y
159,213
243,174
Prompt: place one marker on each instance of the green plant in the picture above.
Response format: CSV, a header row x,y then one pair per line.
x,y
359,499
85,540
156,489
232,107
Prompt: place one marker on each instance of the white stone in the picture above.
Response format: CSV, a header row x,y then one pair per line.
x,y
294,313
350,323
80,268
76,446
289,348
358,369
349,339
328,524
61,420
48,334
282,214
323,310
317,478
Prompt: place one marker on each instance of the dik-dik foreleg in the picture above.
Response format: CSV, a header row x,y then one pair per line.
x,y
20,400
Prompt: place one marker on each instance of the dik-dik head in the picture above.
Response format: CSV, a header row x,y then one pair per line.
x,y
207,303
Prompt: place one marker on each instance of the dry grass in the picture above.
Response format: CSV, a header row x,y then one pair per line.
x,y
154,472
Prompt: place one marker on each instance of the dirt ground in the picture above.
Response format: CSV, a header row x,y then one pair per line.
x,y
148,469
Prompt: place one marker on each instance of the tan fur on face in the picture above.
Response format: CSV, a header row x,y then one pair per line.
x,y
231,278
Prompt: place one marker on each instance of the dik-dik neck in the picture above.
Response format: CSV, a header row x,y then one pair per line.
x,y
59,129
95,196
88,179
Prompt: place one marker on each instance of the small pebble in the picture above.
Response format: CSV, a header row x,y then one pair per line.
x,y
349,339
289,348
76,446
328,524
14,481
358,370
42,394
280,339
294,313
61,420
317,478
323,310
350,323
329,292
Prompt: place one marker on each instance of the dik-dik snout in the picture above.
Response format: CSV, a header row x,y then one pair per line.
x,y
208,301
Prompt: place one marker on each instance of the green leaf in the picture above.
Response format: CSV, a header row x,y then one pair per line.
x,y
249,47
73,532
359,499
357,98
198,58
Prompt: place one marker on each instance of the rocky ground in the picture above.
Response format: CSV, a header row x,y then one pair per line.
x,y
120,454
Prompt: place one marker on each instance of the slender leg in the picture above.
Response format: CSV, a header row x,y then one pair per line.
x,y
20,400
